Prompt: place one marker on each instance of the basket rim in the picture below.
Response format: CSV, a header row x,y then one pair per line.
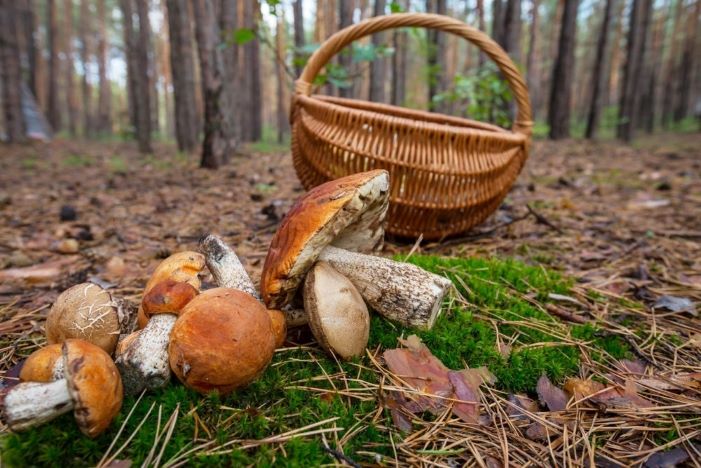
x,y
433,121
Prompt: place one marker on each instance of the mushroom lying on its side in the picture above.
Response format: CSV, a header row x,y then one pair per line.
x,y
91,387
340,222
86,312
142,357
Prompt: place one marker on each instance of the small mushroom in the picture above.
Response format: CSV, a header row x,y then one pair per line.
x,y
143,356
43,365
87,312
338,316
222,341
340,222
183,267
91,388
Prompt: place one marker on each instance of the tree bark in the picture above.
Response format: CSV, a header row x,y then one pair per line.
x,y
84,35
10,72
53,114
215,146
563,71
232,123
399,62
598,75
631,74
379,65
498,12
438,80
345,57
512,30
252,117
532,60
282,121
298,18
183,72
686,68
671,71
479,6
28,26
68,70
129,33
104,103
144,117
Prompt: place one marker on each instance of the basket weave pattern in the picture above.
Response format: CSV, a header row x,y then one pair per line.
x,y
447,173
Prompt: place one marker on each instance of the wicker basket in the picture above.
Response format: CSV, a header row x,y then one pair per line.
x,y
447,173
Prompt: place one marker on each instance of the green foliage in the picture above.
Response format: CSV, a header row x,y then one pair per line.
x,y
486,93
499,296
396,7
78,160
240,36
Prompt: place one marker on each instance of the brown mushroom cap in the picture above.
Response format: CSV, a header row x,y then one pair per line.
x,y
182,267
39,366
167,297
95,385
222,340
86,312
337,314
347,213
279,322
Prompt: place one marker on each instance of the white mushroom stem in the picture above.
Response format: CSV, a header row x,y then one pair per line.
x,y
225,266
400,291
31,404
144,364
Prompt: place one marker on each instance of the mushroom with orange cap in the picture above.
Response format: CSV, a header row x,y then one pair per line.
x,y
91,387
341,222
43,365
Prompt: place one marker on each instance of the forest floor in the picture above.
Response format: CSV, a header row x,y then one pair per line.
x,y
591,268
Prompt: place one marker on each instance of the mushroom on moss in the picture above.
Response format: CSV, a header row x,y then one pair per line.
x,y
87,312
341,222
91,388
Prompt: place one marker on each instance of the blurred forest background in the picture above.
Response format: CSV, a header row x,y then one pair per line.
x,y
215,74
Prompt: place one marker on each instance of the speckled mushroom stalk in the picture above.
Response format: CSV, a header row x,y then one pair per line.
x,y
91,387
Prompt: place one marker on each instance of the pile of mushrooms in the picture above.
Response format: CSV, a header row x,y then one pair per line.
x,y
325,243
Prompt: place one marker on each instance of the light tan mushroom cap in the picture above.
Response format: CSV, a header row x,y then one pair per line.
x,y
183,267
86,312
338,316
94,384
39,366
347,213
222,340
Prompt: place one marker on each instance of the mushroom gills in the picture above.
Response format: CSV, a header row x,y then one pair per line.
x,y
399,291
32,404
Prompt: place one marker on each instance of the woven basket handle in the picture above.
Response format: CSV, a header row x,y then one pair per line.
x,y
344,37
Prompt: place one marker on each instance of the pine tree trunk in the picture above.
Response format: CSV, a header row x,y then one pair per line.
x,y
512,30
228,22
631,74
53,114
68,70
28,31
251,83
598,75
10,72
479,6
643,104
399,62
215,146
130,39
345,59
563,71
183,71
104,103
498,12
84,35
298,18
671,70
282,121
143,91
379,65
686,68
532,60
438,79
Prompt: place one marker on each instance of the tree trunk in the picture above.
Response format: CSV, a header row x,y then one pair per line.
x,y
282,121
532,60
28,31
10,72
563,71
512,30
631,73
643,104
498,13
650,105
228,22
163,46
438,79
479,6
68,70
399,62
298,16
130,32
598,75
104,103
345,57
53,114
671,71
144,117
379,65
686,68
183,72
84,34
215,146
251,83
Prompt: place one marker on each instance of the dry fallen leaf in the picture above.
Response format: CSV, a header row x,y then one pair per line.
x,y
551,396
